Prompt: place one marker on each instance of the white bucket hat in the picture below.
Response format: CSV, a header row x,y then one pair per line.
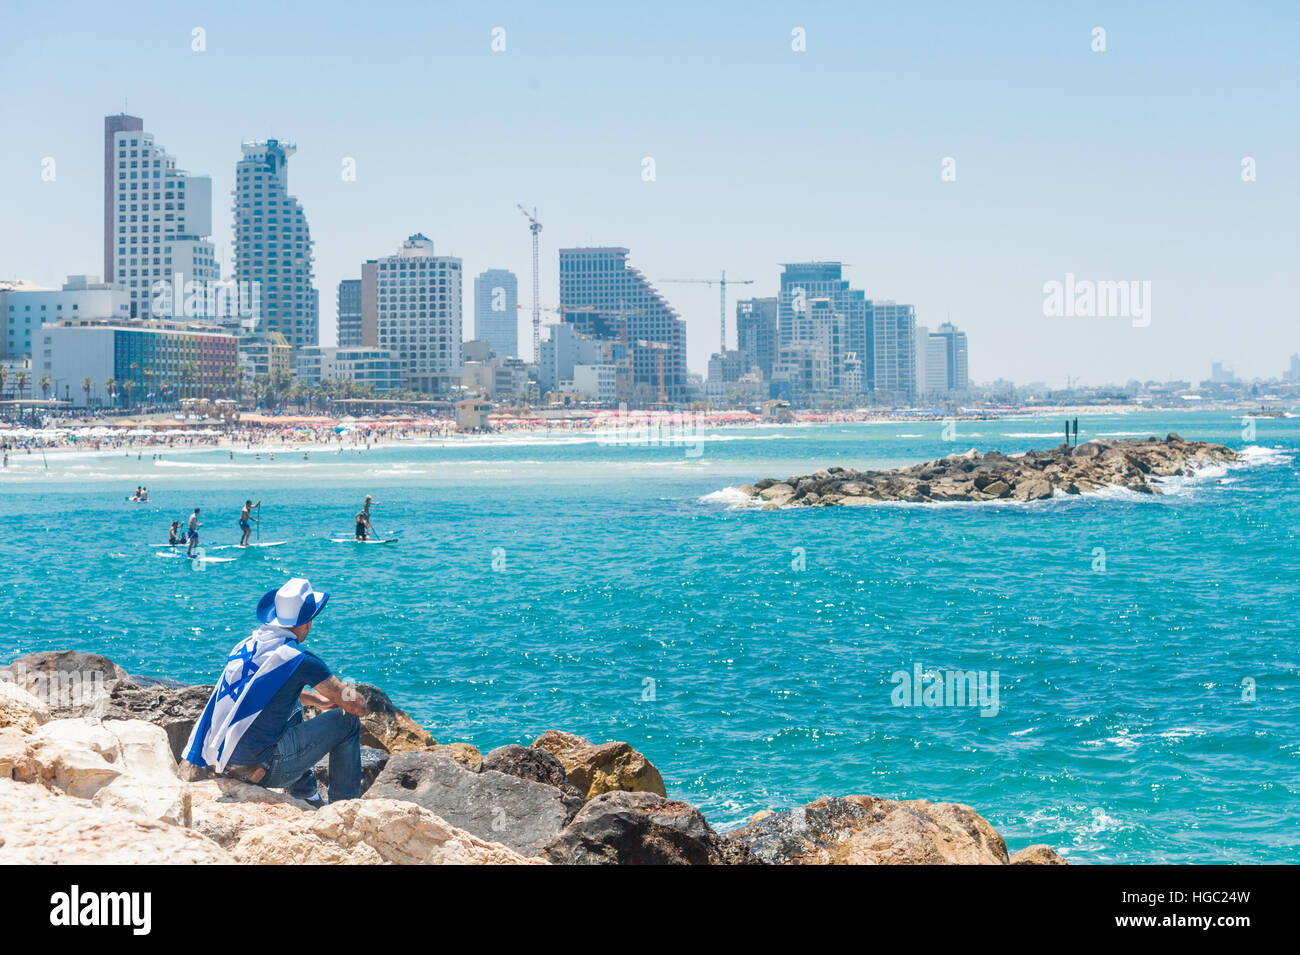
x,y
292,605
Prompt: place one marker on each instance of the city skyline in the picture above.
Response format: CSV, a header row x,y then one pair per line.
x,y
1112,174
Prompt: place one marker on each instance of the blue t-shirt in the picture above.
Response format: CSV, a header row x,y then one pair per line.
x,y
258,742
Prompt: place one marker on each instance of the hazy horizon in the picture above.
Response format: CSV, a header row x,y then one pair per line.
x,y
1123,165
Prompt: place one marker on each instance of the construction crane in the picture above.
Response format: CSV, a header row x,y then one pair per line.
x,y
535,228
722,285
659,348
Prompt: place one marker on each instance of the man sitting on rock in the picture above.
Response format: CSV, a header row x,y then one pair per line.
x,y
253,727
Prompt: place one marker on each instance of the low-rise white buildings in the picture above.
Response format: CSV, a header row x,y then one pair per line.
x,y
146,360
381,370
25,307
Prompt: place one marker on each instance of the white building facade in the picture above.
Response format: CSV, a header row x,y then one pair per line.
x,y
24,308
273,246
411,306
161,220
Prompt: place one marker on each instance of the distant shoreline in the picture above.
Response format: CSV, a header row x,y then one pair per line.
x,y
269,434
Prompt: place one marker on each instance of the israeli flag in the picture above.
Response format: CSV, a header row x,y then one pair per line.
x,y
257,668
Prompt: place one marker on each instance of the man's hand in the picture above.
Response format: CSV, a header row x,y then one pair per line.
x,y
312,698
344,697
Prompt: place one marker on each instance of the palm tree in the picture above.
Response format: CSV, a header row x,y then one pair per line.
x,y
129,387
21,380
45,385
110,387
87,385
4,376
190,376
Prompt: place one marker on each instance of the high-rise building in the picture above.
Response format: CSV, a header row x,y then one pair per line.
x,y
273,246
893,330
937,375
349,313
1295,368
955,343
603,297
161,217
121,123
411,306
496,311
823,327
756,333
1220,374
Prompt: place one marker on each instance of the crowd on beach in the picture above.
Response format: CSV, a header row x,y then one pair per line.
x,y
159,434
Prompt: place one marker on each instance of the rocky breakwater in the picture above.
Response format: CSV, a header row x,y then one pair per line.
x,y
1138,464
95,778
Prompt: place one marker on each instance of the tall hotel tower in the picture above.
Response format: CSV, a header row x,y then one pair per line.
x,y
411,306
156,217
273,244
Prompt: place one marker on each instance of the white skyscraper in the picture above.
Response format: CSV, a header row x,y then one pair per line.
x,y
273,245
411,306
161,218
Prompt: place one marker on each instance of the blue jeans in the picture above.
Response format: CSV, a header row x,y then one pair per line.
x,y
293,764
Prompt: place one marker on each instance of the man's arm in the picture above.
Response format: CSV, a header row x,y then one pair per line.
x,y
335,693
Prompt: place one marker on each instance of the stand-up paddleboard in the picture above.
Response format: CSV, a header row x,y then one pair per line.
x,y
261,544
373,540
201,560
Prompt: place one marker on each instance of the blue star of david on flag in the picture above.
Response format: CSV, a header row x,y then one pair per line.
x,y
248,668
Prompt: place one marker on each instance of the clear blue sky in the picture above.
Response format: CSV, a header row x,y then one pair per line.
x,y
1117,165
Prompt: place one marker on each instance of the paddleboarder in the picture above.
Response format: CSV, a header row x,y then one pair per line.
x,y
364,526
192,533
245,517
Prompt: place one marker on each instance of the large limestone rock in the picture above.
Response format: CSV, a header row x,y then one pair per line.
x,y
600,769
148,787
639,828
175,710
224,809
20,709
40,827
16,760
126,765
864,830
369,832
66,681
80,757
1038,854
518,813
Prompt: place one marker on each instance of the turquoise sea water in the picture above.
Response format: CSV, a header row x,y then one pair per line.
x,y
610,591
